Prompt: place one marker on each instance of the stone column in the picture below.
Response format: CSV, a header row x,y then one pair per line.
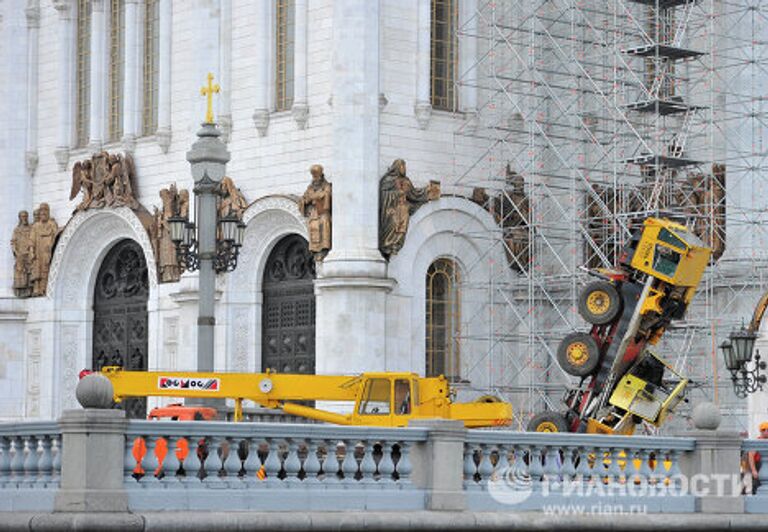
x,y
131,90
33,29
300,109
468,56
262,49
164,76
351,286
96,124
438,467
423,106
64,59
225,70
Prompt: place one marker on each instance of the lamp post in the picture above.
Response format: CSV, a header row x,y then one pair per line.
x,y
209,244
737,353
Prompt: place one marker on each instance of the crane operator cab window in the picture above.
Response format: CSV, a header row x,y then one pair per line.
x,y
376,398
666,259
402,397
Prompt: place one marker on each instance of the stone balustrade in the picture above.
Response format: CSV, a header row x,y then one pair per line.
x,y
214,465
116,465
30,459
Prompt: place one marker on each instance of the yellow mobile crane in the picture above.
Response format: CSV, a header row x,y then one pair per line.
x,y
622,381
380,399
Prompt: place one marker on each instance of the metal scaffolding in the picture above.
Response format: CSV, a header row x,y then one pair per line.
x,y
591,116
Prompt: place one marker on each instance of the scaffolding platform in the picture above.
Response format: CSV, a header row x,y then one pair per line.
x,y
662,161
663,107
664,4
664,51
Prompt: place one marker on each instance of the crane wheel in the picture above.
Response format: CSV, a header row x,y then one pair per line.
x,y
578,354
548,422
599,303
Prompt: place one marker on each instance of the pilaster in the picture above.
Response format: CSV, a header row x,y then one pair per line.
x,y
65,57
164,77
262,49
96,123
225,70
300,109
423,108
131,121
32,13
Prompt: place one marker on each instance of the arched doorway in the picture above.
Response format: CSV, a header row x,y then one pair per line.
x,y
288,315
120,315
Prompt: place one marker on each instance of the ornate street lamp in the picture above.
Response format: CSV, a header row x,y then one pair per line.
x,y
737,353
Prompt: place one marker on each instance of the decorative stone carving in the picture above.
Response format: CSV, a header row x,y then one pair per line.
x,y
175,203
22,247
43,236
398,200
261,121
232,199
315,204
106,180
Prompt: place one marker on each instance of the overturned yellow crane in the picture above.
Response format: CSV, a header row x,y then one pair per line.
x,y
380,399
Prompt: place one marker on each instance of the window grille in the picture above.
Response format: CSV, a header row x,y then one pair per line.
x,y
116,70
443,320
151,67
444,46
284,47
83,72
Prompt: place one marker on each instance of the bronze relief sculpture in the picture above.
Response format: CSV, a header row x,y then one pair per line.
x,y
315,204
175,203
106,180
398,200
232,201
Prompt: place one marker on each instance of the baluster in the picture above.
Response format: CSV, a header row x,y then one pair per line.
x,y
552,466
568,471
252,463
657,472
502,468
232,464
17,459
331,463
675,475
56,453
129,464
762,474
30,461
5,462
312,464
615,474
171,462
485,468
213,463
469,466
519,467
292,464
645,468
386,464
273,464
46,462
349,464
368,465
632,469
150,463
535,468
583,470
404,467
192,464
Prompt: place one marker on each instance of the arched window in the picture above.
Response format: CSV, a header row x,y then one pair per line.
x,y
285,13
444,56
116,47
443,319
83,71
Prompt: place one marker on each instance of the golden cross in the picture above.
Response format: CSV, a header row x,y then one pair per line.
x,y
208,92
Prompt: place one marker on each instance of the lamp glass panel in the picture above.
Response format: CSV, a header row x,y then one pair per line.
x,y
177,225
729,356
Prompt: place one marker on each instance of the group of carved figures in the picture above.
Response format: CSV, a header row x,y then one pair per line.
x,y
106,180
32,247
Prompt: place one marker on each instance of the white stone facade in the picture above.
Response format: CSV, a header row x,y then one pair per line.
x,y
358,83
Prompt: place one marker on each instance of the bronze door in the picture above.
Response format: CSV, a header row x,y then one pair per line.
x,y
120,315
288,314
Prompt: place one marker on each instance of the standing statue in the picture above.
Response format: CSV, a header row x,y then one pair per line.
x,y
106,180
315,204
43,236
175,203
21,245
232,199
398,200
